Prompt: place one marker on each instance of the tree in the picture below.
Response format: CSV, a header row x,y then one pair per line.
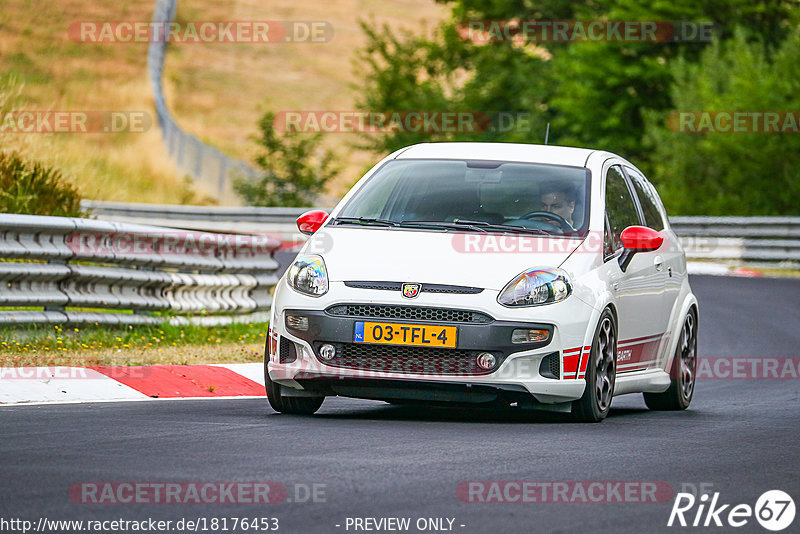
x,y
295,167
404,72
604,89
596,94
734,173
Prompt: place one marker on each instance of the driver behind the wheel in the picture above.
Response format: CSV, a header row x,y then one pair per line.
x,y
558,197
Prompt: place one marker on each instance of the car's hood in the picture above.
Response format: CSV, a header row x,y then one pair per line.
x,y
485,260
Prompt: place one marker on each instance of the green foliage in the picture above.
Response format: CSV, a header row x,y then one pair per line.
x,y
414,73
31,188
595,94
296,169
606,88
731,173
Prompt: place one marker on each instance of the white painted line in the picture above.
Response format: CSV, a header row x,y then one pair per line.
x,y
59,384
253,371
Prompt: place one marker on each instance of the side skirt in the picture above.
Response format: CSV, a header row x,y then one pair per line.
x,y
649,381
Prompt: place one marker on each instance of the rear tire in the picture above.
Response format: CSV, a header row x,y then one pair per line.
x,y
683,371
289,405
601,373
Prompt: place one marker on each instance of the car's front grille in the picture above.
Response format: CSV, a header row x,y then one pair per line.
x,y
407,360
409,312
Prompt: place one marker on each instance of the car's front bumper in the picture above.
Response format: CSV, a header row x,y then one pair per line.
x,y
401,372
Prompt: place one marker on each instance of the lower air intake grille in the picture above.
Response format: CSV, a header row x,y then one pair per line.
x,y
287,352
409,312
551,366
407,360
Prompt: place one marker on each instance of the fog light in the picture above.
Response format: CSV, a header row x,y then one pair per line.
x,y
486,360
529,336
327,351
296,322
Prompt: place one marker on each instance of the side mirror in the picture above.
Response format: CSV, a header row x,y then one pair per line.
x,y
638,239
311,221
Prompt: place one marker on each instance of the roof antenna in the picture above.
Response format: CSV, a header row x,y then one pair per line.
x,y
547,133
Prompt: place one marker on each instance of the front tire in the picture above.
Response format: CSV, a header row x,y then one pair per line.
x,y
289,405
683,371
601,373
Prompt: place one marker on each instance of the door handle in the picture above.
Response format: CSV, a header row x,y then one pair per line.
x,y
659,263
614,283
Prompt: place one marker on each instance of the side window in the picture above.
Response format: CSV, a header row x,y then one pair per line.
x,y
620,207
608,241
647,199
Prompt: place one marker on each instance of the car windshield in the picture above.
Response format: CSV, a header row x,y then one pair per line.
x,y
473,196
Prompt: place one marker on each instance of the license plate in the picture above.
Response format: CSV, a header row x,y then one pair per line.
x,y
417,335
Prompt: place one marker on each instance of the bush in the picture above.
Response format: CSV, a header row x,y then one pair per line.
x,y
34,189
292,177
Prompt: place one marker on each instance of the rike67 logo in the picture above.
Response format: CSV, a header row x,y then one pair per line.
x,y
774,510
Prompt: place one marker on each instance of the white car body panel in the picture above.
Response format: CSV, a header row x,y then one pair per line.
x,y
366,254
650,300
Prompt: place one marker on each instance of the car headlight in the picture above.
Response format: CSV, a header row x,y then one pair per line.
x,y
535,287
308,275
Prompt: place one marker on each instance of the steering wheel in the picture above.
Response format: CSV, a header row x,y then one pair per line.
x,y
560,221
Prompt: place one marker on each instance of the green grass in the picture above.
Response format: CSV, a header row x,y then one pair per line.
x,y
36,345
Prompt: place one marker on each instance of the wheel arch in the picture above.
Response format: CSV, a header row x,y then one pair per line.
x,y
689,303
606,303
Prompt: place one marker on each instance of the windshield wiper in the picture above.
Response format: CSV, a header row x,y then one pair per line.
x,y
504,227
366,220
458,224
440,224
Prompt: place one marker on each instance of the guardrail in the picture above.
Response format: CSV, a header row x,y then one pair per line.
x,y
204,163
730,240
773,241
98,271
89,271
278,221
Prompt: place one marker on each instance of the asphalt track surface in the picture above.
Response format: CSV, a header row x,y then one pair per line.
x,y
741,437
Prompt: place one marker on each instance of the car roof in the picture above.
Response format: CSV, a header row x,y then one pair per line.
x,y
524,153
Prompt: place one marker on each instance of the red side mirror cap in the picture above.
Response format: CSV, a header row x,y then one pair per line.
x,y
311,221
641,239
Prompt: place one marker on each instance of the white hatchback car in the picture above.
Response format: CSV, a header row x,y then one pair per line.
x,y
509,274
